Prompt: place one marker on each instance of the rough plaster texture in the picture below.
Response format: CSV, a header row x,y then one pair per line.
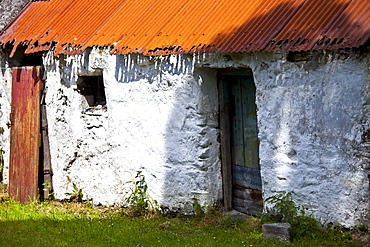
x,y
5,102
162,118
313,120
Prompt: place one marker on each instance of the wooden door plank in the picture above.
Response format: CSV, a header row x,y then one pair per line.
x,y
251,143
25,134
225,145
237,134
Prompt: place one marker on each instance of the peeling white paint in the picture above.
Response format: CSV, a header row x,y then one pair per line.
x,y
162,118
5,102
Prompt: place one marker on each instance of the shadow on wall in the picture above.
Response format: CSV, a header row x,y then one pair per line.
x,y
184,109
192,169
137,67
189,155
191,146
288,162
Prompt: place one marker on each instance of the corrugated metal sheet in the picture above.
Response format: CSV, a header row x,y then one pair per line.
x,y
157,27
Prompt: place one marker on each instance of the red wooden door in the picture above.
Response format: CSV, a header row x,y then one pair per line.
x,y
25,133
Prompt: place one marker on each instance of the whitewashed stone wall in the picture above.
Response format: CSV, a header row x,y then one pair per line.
x,y
162,118
5,100
313,120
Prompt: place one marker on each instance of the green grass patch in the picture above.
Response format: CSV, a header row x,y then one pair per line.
x,y
78,224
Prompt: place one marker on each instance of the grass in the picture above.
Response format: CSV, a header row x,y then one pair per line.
x,y
77,224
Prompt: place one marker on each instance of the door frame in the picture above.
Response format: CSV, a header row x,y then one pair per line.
x,y
225,136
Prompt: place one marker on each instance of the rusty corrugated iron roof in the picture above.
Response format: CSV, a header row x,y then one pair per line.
x,y
159,27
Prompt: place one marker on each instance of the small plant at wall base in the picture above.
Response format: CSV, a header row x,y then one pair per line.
x,y
284,209
303,226
198,209
76,194
48,187
138,198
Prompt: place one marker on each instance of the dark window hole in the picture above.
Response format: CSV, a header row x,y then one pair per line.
x,y
92,88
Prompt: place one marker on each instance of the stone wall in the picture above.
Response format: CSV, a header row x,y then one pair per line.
x,y
5,100
161,117
313,119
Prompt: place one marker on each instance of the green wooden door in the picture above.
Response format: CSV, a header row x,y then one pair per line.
x,y
238,97
243,122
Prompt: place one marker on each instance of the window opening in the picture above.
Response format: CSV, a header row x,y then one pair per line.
x,y
92,88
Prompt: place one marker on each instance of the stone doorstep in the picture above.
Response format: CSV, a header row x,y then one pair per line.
x,y
237,215
276,231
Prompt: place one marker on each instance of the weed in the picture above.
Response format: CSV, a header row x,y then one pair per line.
x,y
305,229
285,210
48,186
198,209
76,194
138,198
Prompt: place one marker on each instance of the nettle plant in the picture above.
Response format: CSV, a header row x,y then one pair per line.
x,y
137,198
